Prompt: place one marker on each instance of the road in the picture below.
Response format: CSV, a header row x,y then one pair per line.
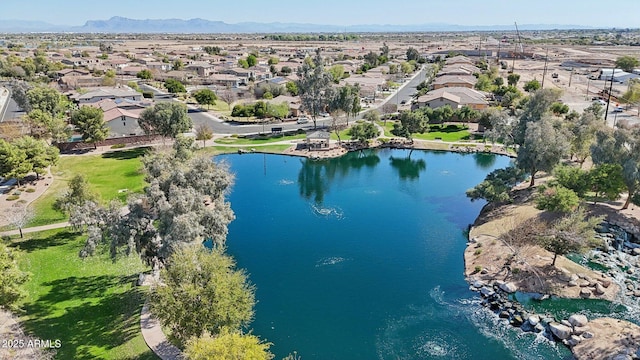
x,y
11,111
220,127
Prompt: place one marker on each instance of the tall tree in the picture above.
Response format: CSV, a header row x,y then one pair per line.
x,y
19,92
411,122
542,149
583,134
174,86
314,87
205,97
412,54
184,203
13,162
77,194
575,232
622,147
536,108
512,79
44,98
627,63
90,122
19,215
204,133
38,154
166,118
11,277
202,292
363,132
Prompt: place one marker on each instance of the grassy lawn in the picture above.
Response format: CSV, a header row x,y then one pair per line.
x,y
217,150
106,174
451,133
244,141
90,305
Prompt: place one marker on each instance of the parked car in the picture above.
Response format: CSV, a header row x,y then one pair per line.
x,y
600,102
618,109
302,120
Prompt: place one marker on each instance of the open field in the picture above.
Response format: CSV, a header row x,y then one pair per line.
x,y
90,305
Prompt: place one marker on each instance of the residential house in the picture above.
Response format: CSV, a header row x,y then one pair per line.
x,y
369,86
75,82
445,81
72,72
459,70
459,60
226,80
107,93
294,103
122,122
202,68
456,97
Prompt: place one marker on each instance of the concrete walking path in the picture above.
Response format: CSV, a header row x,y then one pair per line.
x,y
155,338
35,229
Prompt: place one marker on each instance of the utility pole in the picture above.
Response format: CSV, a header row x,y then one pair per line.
x,y
606,112
570,76
544,72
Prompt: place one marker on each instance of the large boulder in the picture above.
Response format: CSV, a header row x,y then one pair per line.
x,y
585,293
508,287
578,320
560,331
534,320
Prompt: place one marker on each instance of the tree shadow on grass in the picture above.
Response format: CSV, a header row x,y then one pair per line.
x,y
99,321
36,242
126,154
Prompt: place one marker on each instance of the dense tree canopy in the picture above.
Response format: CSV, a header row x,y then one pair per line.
x,y
184,203
542,149
627,63
90,122
202,291
228,346
166,118
11,278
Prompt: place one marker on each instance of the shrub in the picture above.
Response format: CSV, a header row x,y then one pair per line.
x,y
477,252
557,199
477,269
30,190
17,193
12,197
118,146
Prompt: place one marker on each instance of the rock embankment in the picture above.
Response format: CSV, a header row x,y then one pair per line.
x,y
602,338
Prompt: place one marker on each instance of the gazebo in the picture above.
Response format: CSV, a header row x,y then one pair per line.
x,y
318,140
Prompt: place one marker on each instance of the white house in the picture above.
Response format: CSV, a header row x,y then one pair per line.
x,y
122,122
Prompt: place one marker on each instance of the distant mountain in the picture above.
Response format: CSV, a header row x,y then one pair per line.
x,y
21,26
119,24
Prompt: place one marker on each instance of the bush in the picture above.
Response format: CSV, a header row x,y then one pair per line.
x,y
477,269
17,193
477,252
30,190
557,199
148,94
118,146
12,197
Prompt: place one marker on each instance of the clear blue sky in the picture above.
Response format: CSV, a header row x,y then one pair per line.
x,y
620,13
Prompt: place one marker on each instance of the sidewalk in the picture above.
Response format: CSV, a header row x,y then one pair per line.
x,y
4,99
155,338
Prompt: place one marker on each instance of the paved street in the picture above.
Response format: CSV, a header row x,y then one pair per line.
x,y
220,127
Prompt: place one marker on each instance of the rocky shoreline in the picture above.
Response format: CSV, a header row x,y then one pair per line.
x,y
602,338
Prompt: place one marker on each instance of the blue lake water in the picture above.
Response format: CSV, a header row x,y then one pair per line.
x,y
361,257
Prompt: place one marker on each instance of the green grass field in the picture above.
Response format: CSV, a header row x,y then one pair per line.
x,y
258,141
111,175
90,305
451,133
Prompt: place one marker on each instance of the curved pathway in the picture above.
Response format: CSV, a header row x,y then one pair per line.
x,y
155,338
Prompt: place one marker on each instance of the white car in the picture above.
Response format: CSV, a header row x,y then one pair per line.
x,y
302,120
600,102
618,109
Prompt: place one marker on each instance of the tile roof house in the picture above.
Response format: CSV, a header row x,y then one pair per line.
x,y
456,97
459,69
444,81
122,122
107,93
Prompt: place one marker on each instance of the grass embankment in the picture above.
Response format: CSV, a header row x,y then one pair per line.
x,y
111,175
231,140
90,305
448,133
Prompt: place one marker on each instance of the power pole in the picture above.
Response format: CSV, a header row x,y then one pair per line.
x,y
544,72
606,112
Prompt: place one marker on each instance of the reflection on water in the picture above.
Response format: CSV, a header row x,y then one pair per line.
x,y
485,160
315,176
408,168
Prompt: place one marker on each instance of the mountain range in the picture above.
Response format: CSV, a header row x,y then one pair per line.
x,y
119,24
